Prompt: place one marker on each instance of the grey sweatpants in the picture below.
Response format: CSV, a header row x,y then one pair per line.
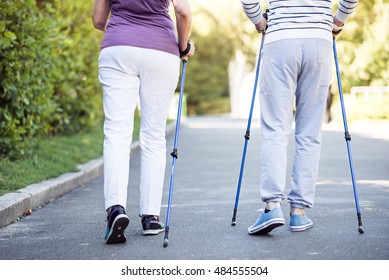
x,y
300,70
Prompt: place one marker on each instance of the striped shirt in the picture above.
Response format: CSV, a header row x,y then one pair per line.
x,y
290,19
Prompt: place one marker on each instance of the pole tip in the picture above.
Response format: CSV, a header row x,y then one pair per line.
x,y
360,229
233,223
165,243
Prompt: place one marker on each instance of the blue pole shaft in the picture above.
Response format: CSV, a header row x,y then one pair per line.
x,y
175,147
347,136
247,135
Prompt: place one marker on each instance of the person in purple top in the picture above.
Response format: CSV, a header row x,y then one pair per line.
x,y
139,61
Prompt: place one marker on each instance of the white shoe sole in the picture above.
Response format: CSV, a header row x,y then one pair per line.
x,y
153,231
266,227
301,228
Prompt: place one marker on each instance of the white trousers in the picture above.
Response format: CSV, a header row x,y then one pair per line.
x,y
128,75
300,70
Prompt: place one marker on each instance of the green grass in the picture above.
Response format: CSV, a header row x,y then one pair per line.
x,y
52,157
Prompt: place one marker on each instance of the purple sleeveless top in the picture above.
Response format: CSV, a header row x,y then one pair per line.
x,y
143,24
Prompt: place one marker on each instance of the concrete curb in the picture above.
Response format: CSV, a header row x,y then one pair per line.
x,y
14,206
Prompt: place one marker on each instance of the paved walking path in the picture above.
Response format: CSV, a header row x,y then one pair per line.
x,y
210,150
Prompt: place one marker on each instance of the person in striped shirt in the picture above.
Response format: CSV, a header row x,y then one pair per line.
x,y
295,74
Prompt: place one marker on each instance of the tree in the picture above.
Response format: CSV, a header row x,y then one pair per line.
x,y
363,45
216,37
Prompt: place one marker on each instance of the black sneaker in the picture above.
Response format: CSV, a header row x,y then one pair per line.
x,y
152,225
117,221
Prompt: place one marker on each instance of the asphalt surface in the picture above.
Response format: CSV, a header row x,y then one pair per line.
x,y
72,227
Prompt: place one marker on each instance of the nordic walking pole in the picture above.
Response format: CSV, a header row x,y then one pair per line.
x,y
174,154
247,135
348,139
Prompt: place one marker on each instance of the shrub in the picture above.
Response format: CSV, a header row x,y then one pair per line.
x,y
48,71
26,65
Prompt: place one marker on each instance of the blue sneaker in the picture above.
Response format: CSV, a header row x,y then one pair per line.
x,y
300,222
117,222
267,222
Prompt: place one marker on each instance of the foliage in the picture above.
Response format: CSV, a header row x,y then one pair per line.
x,y
78,91
208,72
26,43
48,81
216,41
363,46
